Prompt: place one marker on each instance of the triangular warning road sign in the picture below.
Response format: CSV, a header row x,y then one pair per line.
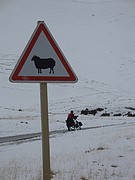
x,y
42,60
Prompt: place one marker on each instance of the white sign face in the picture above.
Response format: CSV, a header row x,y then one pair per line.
x,y
42,60
43,50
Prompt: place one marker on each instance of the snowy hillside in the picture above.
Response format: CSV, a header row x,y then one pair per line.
x,y
97,38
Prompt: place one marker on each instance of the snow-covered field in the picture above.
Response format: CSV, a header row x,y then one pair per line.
x,y
97,37
105,151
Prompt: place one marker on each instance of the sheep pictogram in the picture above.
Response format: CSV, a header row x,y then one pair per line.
x,y
43,63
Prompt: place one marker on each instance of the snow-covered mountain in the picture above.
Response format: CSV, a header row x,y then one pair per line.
x,y
97,38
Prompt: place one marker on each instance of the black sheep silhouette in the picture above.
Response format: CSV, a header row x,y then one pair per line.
x,y
43,63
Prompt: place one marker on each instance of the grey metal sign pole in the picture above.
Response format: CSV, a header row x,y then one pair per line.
x,y
45,131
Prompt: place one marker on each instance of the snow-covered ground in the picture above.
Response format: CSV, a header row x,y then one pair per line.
x,y
105,151
97,38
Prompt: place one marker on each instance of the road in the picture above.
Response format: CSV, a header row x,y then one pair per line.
x,y
23,137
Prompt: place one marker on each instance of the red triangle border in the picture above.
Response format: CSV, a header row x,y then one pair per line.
x,y
14,77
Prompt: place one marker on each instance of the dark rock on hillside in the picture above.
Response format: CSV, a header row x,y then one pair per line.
x,y
130,108
100,109
105,114
85,112
93,111
119,114
129,114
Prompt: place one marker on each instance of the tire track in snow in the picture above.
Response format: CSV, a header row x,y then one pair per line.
x,y
37,136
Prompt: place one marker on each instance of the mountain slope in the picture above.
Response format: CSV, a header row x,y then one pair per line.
x,y
97,37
